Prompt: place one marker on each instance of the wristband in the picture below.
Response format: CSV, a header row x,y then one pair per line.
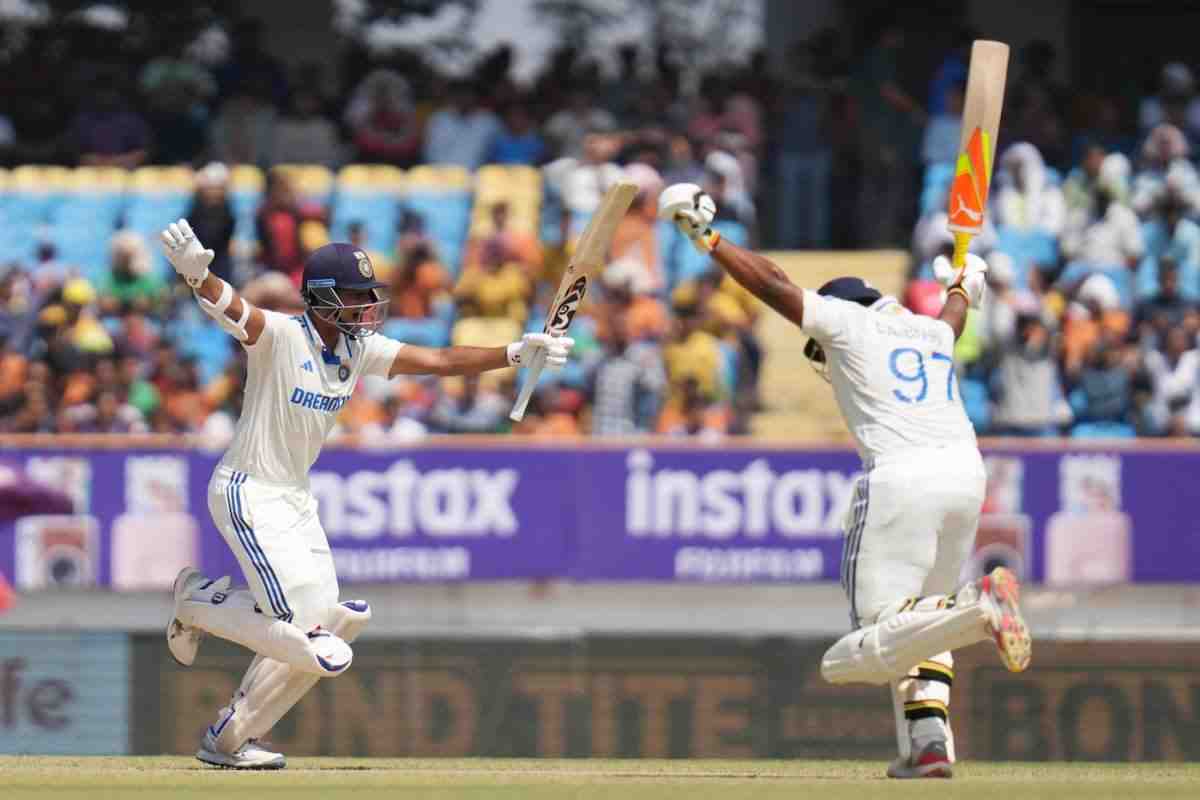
x,y
196,283
513,353
966,297
709,240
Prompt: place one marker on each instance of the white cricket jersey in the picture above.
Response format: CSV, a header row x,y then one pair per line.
x,y
893,375
294,391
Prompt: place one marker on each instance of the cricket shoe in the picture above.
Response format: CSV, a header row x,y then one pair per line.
x,y
251,755
932,762
183,641
1000,592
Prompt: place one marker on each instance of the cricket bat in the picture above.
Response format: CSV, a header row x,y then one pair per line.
x,y
977,145
590,256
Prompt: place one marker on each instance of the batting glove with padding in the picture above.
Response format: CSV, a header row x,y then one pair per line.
x,y
691,210
186,254
972,277
557,349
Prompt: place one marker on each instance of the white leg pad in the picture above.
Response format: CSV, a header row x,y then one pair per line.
x,y
887,650
277,687
233,617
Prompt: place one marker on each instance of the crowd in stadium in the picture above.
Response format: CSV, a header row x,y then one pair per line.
x,y
1092,237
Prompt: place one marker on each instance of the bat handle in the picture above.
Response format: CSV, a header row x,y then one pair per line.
x,y
531,379
962,241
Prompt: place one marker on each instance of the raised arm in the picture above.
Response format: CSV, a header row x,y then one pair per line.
x,y
964,289
217,298
692,211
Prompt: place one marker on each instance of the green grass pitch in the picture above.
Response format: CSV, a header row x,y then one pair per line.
x,y
94,778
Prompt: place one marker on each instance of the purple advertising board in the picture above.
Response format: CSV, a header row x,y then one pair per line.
x,y
129,518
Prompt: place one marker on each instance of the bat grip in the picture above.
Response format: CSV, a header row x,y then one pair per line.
x,y
531,379
962,241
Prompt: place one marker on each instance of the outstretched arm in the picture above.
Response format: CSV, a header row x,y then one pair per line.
x,y
216,297
413,360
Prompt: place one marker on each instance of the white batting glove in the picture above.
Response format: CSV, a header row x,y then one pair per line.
x,y
186,254
972,277
691,209
557,349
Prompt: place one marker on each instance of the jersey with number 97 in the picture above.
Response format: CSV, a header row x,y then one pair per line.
x,y
892,373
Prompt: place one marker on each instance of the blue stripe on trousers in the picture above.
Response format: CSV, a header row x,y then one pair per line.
x,y
270,571
853,545
255,556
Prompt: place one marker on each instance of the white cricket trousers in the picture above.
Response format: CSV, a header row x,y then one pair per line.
x,y
911,527
275,533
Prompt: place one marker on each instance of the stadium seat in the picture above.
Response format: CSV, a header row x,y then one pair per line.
x,y
1102,430
447,218
975,400
313,182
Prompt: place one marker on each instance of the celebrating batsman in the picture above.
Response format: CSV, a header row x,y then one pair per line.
x,y
301,370
912,521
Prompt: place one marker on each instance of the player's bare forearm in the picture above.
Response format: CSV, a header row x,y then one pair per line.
x,y
414,360
211,290
954,313
763,278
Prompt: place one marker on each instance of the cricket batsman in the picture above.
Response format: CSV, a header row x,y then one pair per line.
x,y
914,513
301,370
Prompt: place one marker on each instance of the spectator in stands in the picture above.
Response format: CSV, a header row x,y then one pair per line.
x,y
1176,102
1164,154
1173,374
890,125
1107,236
1026,201
636,238
1026,388
1095,314
583,182
939,145
132,385
628,386
250,61
694,364
803,154
383,125
244,130
518,141
278,226
496,287
567,129
516,245
1102,395
107,132
211,217
178,90
419,284
681,165
725,183
1080,189
131,281
304,135
464,132
1166,310
467,407
107,415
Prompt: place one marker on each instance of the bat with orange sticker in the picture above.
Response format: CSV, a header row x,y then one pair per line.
x,y
977,148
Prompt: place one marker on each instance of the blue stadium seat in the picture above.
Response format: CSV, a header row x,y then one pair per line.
x,y
447,220
379,213
975,400
1102,430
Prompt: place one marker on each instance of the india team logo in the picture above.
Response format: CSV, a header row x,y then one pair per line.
x,y
364,264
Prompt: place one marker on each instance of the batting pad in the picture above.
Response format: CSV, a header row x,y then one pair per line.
x,y
887,650
233,616
271,689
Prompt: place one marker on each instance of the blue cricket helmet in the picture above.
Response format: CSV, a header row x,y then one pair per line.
x,y
330,271
852,290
